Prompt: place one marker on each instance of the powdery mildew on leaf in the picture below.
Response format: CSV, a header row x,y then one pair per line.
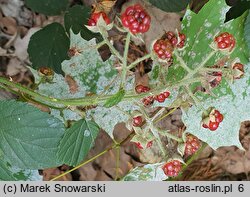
x,y
26,175
235,110
149,172
87,68
231,99
58,88
107,118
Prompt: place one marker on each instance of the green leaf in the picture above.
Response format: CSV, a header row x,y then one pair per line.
x,y
47,7
115,99
28,137
247,32
76,18
170,5
49,47
77,142
149,172
237,10
5,173
201,28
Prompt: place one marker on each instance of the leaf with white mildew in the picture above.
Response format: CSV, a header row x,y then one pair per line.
x,y
149,172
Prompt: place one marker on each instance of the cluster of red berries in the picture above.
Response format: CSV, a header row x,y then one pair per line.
x,y
149,144
192,144
142,89
164,47
95,16
136,19
150,99
225,41
174,40
162,96
172,168
214,120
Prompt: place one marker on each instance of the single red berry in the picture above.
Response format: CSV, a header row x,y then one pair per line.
x,y
137,121
225,41
219,118
192,145
172,38
166,94
91,22
182,39
172,168
216,113
138,144
149,144
205,126
95,16
163,49
148,100
160,98
141,89
136,19
213,125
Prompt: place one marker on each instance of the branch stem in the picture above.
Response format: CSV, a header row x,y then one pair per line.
x,y
124,61
132,65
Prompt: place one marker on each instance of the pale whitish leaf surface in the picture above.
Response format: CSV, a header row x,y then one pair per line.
x,y
92,75
8,173
58,88
87,68
77,142
107,118
232,100
26,175
149,172
35,134
234,108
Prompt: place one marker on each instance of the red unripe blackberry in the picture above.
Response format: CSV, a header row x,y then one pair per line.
x,y
137,121
172,168
95,16
141,89
225,41
163,49
136,19
192,145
